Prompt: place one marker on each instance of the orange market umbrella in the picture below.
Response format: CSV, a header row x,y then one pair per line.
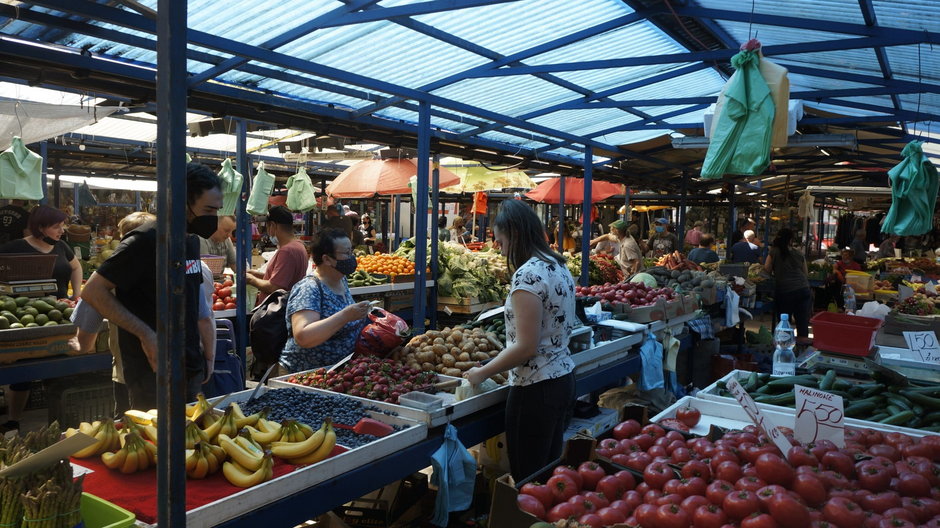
x,y
370,177
549,191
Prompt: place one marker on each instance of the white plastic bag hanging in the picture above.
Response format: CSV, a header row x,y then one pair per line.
x,y
300,194
732,300
261,189
231,187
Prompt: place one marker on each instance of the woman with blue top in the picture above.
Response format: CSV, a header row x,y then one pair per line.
x,y
323,322
539,320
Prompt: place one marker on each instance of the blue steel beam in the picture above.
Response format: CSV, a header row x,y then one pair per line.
x,y
709,56
421,218
515,57
586,205
871,20
140,23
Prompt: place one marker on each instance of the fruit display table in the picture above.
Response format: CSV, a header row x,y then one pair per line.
x,y
53,367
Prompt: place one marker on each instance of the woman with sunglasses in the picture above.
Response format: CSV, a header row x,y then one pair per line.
x,y
368,232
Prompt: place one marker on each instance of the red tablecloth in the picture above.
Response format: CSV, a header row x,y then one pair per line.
x,y
137,492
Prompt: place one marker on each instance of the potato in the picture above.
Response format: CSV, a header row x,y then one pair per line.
x,y
457,337
468,347
465,365
455,351
449,340
439,369
480,356
464,356
494,353
428,356
498,378
427,366
434,334
485,347
448,360
453,372
439,350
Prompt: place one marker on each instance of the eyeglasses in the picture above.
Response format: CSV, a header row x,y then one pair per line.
x,y
342,256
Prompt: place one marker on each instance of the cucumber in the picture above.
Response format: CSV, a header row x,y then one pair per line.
x,y
931,428
894,409
842,385
898,418
933,416
807,380
878,417
785,399
927,402
860,409
764,389
899,402
751,383
827,380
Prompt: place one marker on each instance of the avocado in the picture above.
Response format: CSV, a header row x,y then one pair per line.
x,y
21,301
27,319
4,323
51,323
16,325
55,315
9,316
32,325
31,310
42,319
8,305
67,313
42,306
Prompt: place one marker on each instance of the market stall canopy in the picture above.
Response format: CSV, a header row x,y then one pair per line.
x,y
38,121
549,191
371,177
474,177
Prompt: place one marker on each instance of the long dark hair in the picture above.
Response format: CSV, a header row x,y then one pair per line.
x,y
783,240
525,234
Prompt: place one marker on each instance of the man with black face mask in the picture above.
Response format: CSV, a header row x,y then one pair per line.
x,y
131,273
289,263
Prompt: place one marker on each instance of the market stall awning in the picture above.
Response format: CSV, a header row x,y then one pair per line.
x,y
549,191
371,177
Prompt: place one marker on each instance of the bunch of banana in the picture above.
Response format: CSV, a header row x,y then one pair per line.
x,y
311,450
266,432
225,425
141,417
294,431
194,435
148,432
242,421
245,455
195,410
243,478
203,460
136,455
107,437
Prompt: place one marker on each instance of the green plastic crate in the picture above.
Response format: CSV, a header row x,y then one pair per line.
x,y
99,513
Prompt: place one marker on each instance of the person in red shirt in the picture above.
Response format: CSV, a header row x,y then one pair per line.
x,y
846,264
289,263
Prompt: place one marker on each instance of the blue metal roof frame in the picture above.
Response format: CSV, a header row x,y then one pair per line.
x,y
577,74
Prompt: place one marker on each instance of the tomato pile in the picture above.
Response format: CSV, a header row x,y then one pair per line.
x,y
632,293
369,377
877,480
223,298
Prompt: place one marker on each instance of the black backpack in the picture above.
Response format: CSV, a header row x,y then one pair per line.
x,y
268,327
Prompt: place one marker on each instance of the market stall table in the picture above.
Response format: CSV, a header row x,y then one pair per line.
x,y
53,367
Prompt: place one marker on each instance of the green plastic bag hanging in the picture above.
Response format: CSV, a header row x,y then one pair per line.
x,y
913,193
741,140
261,188
231,187
20,172
300,194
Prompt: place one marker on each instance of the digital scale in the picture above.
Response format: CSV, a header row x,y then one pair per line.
x,y
29,288
864,366
846,365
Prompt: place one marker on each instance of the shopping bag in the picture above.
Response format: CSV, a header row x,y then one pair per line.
x,y
300,194
381,334
651,356
732,301
231,187
454,476
261,189
20,173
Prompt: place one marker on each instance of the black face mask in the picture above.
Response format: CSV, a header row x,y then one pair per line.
x,y
49,240
204,226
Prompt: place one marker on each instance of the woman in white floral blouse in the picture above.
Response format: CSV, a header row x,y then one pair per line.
x,y
539,318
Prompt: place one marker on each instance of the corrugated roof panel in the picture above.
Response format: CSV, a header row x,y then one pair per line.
x,y
636,40
904,60
121,128
632,136
696,84
928,103
511,27
776,35
507,95
909,14
859,61
835,10
511,139
799,82
566,152
841,110
572,120
696,117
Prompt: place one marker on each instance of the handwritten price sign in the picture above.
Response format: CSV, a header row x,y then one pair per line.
x,y
819,416
924,344
762,420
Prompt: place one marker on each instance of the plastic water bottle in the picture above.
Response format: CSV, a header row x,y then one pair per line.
x,y
848,294
784,359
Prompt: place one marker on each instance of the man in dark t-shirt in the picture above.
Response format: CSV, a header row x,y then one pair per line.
x,y
131,273
13,221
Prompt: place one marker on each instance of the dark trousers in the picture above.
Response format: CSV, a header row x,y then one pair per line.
x,y
141,382
797,303
536,418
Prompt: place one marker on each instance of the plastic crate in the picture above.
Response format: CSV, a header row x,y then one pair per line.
x,y
99,513
83,404
216,264
26,266
844,334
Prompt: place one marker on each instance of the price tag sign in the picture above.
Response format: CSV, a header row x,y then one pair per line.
x,y
924,345
904,292
759,418
819,416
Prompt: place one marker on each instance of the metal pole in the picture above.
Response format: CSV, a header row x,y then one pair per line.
x,y
820,227
435,240
733,224
626,206
586,214
561,215
75,204
396,221
171,244
682,205
44,153
242,238
421,216
56,184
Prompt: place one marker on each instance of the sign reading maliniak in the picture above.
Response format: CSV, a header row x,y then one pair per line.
x,y
759,418
819,416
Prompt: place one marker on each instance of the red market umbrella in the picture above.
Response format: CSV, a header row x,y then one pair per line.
x,y
549,191
370,177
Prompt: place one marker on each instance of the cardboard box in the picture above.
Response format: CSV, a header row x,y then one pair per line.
x,y
675,308
37,342
648,314
594,427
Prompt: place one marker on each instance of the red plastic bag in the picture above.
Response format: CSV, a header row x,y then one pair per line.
x,y
382,334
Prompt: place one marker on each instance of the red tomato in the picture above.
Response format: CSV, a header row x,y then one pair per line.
x,y
717,491
759,520
585,503
690,416
622,507
672,516
610,516
626,479
896,440
873,477
572,473
692,503
218,306
653,430
696,468
591,519
578,506
787,511
626,429
633,499
749,484
839,461
645,441
563,487
657,451
884,450
880,502
620,459
628,445
657,474
692,486
774,470
810,488
843,513
834,479
652,496
801,456
530,504
767,492
681,455
723,455
541,492
670,498
647,515
871,520
728,471
896,523
710,516
230,306
590,473
610,444
672,486
912,484
599,500
611,487
740,504
898,513
225,292
639,461
228,283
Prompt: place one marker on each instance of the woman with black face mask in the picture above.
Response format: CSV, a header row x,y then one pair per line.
x,y
323,322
